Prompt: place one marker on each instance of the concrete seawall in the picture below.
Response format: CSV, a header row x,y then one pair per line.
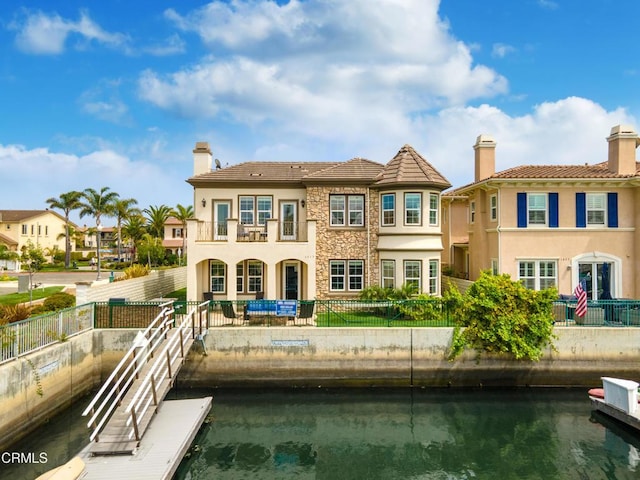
x,y
307,357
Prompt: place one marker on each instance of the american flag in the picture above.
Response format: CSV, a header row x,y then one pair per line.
x,y
581,295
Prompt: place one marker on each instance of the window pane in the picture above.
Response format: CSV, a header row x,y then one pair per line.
x,y
412,208
337,208
388,273
337,281
356,210
246,210
412,273
356,274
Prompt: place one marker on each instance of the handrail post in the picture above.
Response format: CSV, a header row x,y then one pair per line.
x,y
169,364
181,344
153,391
134,421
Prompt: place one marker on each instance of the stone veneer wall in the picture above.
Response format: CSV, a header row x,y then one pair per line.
x,y
343,243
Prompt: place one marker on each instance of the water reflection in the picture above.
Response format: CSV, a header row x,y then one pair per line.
x,y
408,434
383,434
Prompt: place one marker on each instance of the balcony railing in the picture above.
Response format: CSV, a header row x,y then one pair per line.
x,y
280,231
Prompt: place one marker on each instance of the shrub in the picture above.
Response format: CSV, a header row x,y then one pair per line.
x,y
500,315
14,313
134,271
59,301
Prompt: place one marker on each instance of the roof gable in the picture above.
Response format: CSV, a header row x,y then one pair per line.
x,y
16,216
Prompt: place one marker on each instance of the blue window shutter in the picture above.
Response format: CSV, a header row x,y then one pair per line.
x,y
612,210
522,210
553,210
581,210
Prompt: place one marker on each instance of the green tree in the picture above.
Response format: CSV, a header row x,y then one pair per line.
x,y
123,210
183,214
67,202
134,230
157,216
150,247
98,204
499,315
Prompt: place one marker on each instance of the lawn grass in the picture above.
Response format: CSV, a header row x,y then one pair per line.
x,y
180,295
38,293
369,319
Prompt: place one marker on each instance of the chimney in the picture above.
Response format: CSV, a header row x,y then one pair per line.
x,y
201,158
485,157
622,150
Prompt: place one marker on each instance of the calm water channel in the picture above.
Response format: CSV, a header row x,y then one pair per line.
x,y
383,434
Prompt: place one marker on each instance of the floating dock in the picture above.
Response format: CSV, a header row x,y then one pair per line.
x,y
618,399
161,449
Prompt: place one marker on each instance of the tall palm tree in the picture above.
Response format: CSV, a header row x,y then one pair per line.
x,y
67,202
75,236
98,204
182,214
157,216
123,209
133,230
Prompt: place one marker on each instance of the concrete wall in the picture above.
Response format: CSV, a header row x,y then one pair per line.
x,y
62,372
399,357
308,357
157,284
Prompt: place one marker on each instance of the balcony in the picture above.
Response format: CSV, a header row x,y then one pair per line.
x,y
232,231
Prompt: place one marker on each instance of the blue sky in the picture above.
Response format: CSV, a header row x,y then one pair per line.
x,y
116,93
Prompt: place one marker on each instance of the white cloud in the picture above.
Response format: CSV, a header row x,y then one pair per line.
x,y
30,176
327,69
172,45
47,34
501,50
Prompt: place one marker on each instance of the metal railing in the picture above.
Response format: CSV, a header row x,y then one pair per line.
x,y
603,313
282,231
34,333
116,386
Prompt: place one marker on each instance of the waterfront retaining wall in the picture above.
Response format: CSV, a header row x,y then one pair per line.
x,y
308,357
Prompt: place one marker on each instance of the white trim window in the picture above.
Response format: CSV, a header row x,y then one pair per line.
x,y
412,208
472,211
388,202
434,200
433,277
240,277
346,208
413,274
596,209
254,276
346,275
538,274
537,208
493,208
388,270
218,276
249,213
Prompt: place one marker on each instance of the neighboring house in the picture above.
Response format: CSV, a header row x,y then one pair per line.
x,y
43,228
304,230
174,236
550,225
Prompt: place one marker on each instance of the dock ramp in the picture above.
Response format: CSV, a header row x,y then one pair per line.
x,y
125,405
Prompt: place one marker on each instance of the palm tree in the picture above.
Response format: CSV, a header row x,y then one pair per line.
x,y
134,230
123,210
182,214
67,202
157,216
98,204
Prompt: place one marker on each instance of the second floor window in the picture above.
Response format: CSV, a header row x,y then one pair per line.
x,y
412,208
472,212
537,208
596,208
493,207
177,233
388,209
599,209
433,208
24,229
249,214
346,210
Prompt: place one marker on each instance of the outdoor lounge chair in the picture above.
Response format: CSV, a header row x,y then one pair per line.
x,y
305,313
230,313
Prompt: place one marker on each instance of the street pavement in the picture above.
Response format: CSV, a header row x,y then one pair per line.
x,y
49,279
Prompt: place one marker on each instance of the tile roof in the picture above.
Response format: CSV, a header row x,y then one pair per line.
x,y
354,170
551,172
599,170
7,241
19,215
409,167
261,172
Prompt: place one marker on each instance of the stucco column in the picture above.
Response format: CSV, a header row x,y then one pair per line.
x,y
272,230
272,285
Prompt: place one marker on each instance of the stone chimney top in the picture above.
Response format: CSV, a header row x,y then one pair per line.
x,y
623,141
485,157
201,158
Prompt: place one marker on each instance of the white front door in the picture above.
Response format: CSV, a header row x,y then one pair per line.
x,y
220,216
288,221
